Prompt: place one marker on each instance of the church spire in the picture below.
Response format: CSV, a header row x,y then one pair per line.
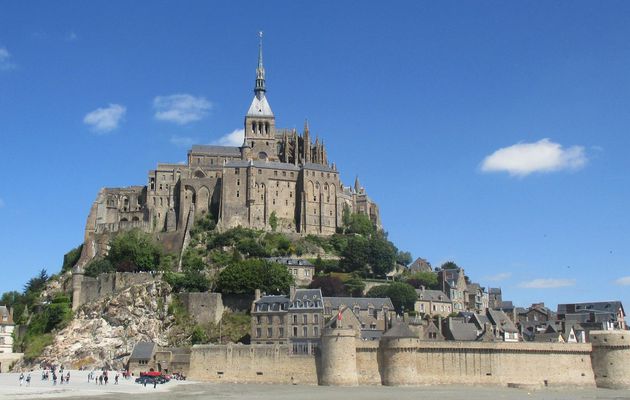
x,y
260,71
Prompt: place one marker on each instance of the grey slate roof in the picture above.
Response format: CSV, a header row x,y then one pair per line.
x,y
362,302
501,321
318,167
216,150
399,330
460,330
432,295
602,306
143,351
494,290
272,303
371,334
307,299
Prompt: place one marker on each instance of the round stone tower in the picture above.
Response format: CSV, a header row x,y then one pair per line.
x,y
611,358
398,348
338,358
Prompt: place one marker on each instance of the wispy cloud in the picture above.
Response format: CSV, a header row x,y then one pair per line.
x,y
523,159
103,120
623,281
234,138
498,277
547,283
6,60
182,141
181,108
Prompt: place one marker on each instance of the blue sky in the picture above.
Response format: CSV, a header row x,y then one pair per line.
x,y
494,134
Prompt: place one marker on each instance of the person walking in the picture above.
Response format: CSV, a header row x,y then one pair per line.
x,y
54,378
100,380
106,379
67,377
28,379
116,379
21,378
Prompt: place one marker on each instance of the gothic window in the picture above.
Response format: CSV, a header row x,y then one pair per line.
x,y
238,194
238,182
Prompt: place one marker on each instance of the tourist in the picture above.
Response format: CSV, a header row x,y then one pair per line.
x,y
116,379
21,378
105,378
68,377
28,379
61,379
100,380
154,382
54,376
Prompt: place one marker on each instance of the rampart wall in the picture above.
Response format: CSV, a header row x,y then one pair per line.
x,y
87,288
401,362
611,358
237,363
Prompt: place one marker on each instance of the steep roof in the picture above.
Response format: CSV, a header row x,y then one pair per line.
x,y
420,265
260,108
432,295
143,351
5,316
362,302
501,320
462,331
398,331
602,306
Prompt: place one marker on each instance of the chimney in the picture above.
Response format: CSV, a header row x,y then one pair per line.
x,y
257,295
422,287
292,292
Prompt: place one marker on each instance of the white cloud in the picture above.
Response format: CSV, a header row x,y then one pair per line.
x,y
234,138
523,159
103,120
182,141
623,281
181,108
6,62
498,277
547,283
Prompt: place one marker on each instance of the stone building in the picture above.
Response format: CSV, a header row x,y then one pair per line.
x,y
432,303
276,173
6,329
373,314
147,356
302,270
296,320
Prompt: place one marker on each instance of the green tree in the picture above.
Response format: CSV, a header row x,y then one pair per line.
x,y
382,255
360,224
273,221
427,279
355,256
402,295
331,286
449,265
71,258
134,251
37,283
403,258
199,335
99,266
248,275
354,286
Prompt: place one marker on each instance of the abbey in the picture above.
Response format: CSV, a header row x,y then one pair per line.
x,y
276,174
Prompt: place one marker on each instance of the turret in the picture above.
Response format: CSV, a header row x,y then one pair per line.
x,y
339,357
611,358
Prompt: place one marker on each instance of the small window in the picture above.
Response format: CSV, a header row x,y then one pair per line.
x,y
275,173
284,173
269,319
305,331
238,193
236,171
305,319
315,331
269,332
238,182
315,317
295,331
295,319
281,332
259,171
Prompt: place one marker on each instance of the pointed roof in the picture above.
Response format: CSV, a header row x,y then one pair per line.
x,y
260,107
400,330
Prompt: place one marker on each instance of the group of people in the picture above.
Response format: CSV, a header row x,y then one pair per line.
x,y
53,371
28,379
103,378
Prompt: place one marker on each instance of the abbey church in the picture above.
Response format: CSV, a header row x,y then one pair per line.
x,y
275,172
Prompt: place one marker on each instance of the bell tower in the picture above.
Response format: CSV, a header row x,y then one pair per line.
x,y
260,123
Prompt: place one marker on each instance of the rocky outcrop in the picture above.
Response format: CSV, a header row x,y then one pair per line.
x,y
103,333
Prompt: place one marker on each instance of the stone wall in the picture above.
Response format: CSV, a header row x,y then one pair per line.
x,y
87,289
237,363
203,307
8,359
400,362
611,358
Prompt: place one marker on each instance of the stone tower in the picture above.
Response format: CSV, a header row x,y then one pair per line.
x,y
260,123
398,348
339,357
610,355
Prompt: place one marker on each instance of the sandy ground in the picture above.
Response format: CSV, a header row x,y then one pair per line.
x,y
80,389
77,388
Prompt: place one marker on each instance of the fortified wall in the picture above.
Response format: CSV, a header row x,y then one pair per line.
x,y
86,288
347,361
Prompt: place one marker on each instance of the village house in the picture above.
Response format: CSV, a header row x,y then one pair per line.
x,y
6,329
302,270
372,313
432,303
608,314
